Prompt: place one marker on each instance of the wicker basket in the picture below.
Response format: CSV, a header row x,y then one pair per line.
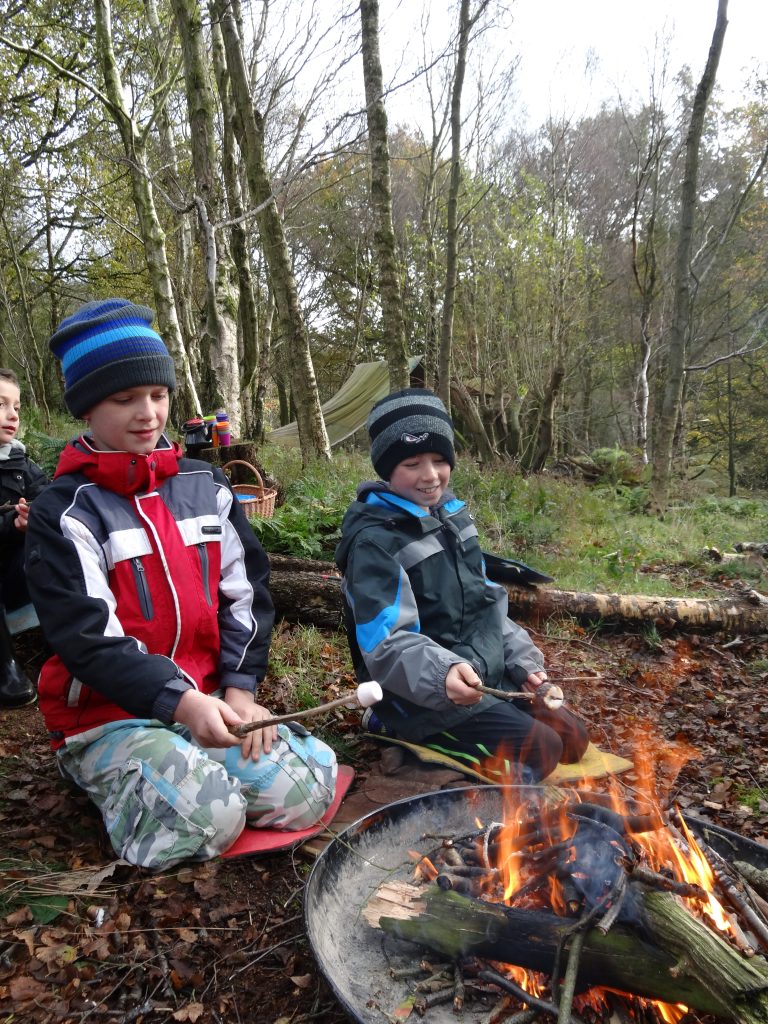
x,y
260,500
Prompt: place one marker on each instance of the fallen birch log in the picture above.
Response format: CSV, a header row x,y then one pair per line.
x,y
678,959
310,592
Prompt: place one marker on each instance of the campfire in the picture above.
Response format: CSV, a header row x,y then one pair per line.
x,y
569,903
559,904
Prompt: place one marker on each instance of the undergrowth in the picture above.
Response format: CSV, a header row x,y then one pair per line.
x,y
588,537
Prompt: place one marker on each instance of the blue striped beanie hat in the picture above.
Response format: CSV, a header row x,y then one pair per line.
x,y
107,346
408,423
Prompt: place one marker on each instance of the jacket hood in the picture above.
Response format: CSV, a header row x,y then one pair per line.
x,y
14,451
121,472
377,505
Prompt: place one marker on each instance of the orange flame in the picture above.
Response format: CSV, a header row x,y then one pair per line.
x,y
665,851
424,869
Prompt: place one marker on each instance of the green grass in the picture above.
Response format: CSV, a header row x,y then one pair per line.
x,y
304,654
753,797
587,537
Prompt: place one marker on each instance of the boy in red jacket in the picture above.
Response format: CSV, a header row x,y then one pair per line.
x,y
151,589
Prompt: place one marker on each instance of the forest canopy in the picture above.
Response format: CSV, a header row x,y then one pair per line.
x,y
214,162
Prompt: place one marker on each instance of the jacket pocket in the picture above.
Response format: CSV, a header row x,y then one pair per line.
x,y
202,550
142,589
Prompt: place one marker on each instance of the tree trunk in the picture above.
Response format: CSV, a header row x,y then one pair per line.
x,y
260,395
545,431
222,375
472,421
240,242
313,594
644,264
452,229
35,372
393,325
152,234
294,339
681,315
683,962
183,277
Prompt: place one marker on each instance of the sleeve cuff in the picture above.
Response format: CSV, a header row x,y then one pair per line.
x,y
164,707
239,681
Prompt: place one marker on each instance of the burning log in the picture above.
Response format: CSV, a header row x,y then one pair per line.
x,y
757,879
673,958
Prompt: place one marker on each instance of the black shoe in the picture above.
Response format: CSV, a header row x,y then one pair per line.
x,y
372,723
16,690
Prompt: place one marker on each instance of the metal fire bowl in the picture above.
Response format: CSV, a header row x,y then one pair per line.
x,y
355,958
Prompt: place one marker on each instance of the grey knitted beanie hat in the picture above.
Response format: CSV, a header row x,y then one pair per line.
x,y
408,423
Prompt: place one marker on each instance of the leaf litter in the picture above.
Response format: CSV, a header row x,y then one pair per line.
x,y
86,938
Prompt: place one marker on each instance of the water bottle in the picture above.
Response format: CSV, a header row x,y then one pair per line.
x,y
223,434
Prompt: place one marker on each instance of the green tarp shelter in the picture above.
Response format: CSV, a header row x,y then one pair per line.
x,y
348,410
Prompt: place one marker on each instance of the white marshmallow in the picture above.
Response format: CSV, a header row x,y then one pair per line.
x,y
369,693
552,696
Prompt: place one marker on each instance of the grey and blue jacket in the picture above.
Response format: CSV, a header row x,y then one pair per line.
x,y
417,602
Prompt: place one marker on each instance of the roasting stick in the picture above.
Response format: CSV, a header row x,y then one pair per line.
x,y
366,695
548,694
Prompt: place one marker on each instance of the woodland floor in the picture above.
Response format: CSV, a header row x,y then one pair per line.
x,y
225,941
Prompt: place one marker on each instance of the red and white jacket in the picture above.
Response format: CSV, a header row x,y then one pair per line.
x,y
147,580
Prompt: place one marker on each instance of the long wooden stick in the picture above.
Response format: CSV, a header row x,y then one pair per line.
x,y
366,695
242,730
506,694
548,694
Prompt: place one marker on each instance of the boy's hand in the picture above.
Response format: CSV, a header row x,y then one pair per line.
x,y
460,685
207,718
534,681
22,515
253,743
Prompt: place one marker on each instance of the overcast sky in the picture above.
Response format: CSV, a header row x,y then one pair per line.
x,y
558,39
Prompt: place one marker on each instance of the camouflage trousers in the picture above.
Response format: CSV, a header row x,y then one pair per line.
x,y
164,799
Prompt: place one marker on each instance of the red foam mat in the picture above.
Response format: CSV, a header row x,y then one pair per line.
x,y
255,842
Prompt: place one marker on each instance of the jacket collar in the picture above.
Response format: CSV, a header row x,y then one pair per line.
x,y
121,472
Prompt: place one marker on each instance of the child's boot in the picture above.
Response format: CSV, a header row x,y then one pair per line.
x,y
15,689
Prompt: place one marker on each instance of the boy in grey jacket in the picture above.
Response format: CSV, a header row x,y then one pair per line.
x,y
423,618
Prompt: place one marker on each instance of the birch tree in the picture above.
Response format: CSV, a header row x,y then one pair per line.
x,y
253,370
671,405
393,325
467,21
134,141
294,340
219,337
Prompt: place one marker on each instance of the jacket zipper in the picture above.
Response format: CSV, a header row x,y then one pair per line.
x,y
142,588
203,551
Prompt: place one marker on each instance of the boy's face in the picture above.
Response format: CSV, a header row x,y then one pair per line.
x,y
130,420
9,411
421,478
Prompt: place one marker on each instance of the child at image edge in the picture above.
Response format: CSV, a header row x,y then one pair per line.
x,y
423,618
151,589
21,481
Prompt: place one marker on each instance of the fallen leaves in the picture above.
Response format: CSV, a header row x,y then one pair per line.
x,y
190,1012
225,940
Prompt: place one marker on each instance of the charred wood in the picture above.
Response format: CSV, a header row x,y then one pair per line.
x,y
757,879
675,959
